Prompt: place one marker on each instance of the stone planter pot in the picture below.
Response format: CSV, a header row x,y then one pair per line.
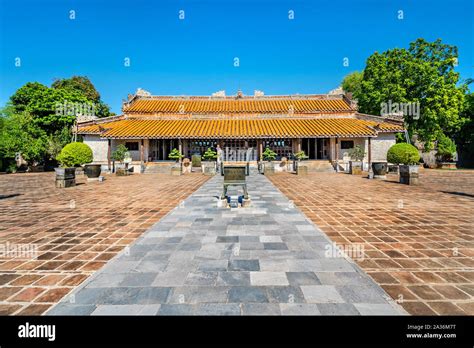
x,y
355,167
269,168
65,177
301,169
409,174
447,165
208,167
176,169
380,170
92,170
121,170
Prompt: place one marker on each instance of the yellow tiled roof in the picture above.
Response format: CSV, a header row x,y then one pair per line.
x,y
241,128
232,106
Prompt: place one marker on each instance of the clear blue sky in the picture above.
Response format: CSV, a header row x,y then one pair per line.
x,y
195,55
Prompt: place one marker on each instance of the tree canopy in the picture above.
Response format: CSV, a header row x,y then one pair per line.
x,y
425,74
37,120
352,83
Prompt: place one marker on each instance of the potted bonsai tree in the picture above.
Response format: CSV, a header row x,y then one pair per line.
x,y
301,169
446,152
71,156
407,157
175,155
120,153
357,155
269,156
209,163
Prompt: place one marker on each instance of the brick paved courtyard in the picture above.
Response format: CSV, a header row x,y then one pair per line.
x,y
418,241
77,230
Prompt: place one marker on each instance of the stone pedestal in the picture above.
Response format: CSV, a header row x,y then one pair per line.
x,y
176,170
61,183
209,169
302,170
269,168
409,175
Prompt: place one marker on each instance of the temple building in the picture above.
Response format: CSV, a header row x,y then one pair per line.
x,y
325,126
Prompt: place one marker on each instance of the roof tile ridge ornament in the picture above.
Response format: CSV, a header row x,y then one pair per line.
x,y
378,118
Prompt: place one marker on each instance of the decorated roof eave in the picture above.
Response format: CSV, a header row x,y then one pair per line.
x,y
136,137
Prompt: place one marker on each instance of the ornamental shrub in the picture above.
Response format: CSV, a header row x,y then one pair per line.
x,y
210,155
75,154
301,156
120,153
269,155
357,153
175,154
403,153
446,148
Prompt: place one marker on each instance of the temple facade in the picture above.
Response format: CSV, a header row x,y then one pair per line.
x,y
325,126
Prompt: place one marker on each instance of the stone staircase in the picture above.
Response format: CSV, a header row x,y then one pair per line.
x,y
158,167
320,166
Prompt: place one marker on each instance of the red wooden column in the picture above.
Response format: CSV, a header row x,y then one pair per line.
x,y
142,152
369,155
109,153
337,154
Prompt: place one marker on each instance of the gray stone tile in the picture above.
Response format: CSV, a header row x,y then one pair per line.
x,y
376,309
268,278
71,309
275,246
337,309
359,294
247,294
233,278
127,309
285,294
244,265
213,265
199,294
299,309
177,309
260,309
302,278
106,280
321,294
138,279
170,279
201,278
218,309
227,239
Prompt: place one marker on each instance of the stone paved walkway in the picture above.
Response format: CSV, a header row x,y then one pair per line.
x,y
268,259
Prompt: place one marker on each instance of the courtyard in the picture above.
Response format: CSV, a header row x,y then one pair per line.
x,y
418,240
76,230
157,244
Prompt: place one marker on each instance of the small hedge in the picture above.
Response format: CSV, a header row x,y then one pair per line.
x,y
446,148
75,154
403,153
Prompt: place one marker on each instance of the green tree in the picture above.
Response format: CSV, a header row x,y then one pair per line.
x,y
465,138
46,105
423,73
79,84
20,134
82,85
352,83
